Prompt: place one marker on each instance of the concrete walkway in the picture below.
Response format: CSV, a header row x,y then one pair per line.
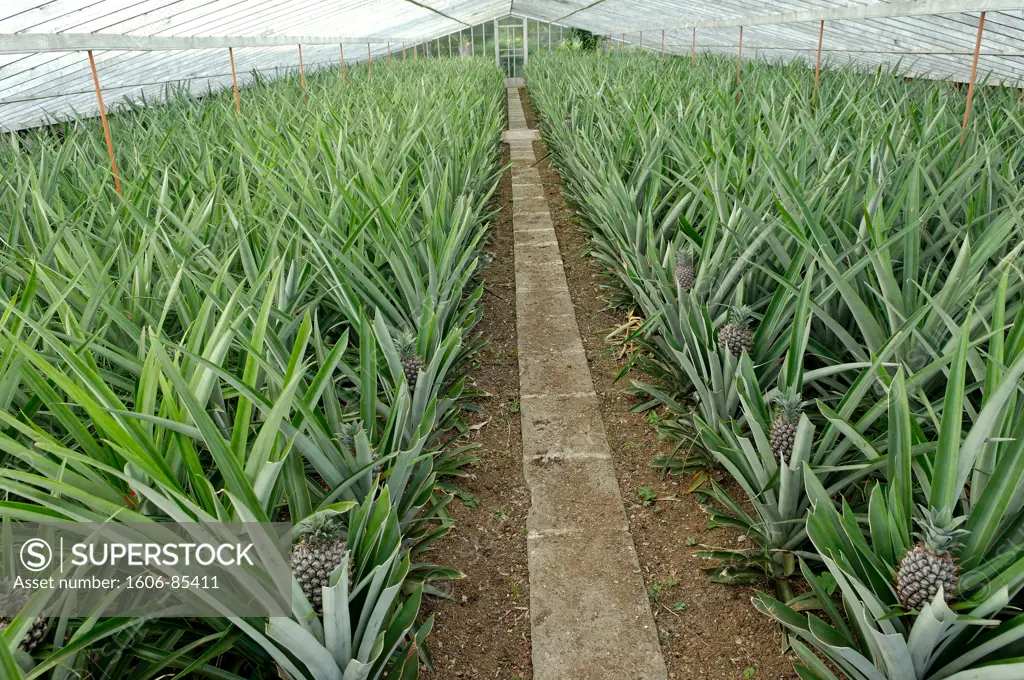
x,y
590,616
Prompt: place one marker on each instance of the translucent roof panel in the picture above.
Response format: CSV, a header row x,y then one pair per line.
x,y
936,46
41,86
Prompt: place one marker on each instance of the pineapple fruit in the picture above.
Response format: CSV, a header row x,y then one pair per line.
x,y
411,362
684,270
318,553
12,600
782,432
736,335
930,563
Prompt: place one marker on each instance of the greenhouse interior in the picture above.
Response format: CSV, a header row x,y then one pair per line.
x,y
538,339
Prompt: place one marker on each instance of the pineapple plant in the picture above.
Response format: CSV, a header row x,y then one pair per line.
x,y
12,600
411,361
930,563
318,553
782,432
736,335
684,270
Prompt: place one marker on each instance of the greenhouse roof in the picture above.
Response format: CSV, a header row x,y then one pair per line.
x,y
141,46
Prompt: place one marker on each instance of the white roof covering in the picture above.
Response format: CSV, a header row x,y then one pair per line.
x,y
45,76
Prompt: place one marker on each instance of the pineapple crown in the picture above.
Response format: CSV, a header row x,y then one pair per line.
x,y
320,528
684,255
939,529
407,345
349,431
788,404
741,316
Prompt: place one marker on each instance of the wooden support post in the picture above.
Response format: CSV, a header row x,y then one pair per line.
x,y
817,64
641,41
970,87
302,74
369,61
622,45
389,54
106,126
234,80
739,67
343,79
403,53
693,49
663,45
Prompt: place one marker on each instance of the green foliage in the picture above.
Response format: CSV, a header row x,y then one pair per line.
x,y
220,343
588,41
647,495
879,257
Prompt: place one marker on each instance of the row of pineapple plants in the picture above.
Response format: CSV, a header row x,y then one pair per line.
x,y
832,304
273,323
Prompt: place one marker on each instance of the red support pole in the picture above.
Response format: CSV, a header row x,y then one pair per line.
x,y
302,73
341,48
106,126
974,74
369,60
739,67
234,80
817,65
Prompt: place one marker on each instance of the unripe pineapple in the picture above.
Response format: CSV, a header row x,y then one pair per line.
x,y
349,431
930,563
12,600
736,335
319,552
782,432
684,270
411,362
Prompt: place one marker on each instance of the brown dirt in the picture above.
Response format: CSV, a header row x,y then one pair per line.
x,y
717,634
484,630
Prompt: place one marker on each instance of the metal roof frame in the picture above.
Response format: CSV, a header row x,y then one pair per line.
x,y
142,46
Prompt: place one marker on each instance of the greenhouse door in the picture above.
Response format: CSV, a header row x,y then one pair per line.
x,y
510,46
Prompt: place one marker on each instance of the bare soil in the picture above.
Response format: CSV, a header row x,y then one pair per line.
x,y
484,630
707,630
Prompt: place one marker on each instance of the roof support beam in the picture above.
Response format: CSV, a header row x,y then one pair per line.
x,y
76,42
437,12
577,11
880,10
